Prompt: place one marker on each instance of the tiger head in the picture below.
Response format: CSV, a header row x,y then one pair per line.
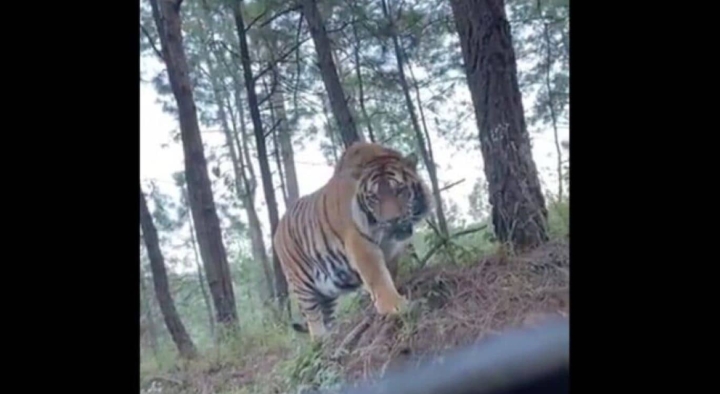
x,y
390,193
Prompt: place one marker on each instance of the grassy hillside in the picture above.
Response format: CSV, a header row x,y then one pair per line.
x,y
487,291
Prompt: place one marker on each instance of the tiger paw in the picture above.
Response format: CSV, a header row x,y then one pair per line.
x,y
391,306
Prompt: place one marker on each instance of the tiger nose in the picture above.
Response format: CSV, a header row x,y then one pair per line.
x,y
390,208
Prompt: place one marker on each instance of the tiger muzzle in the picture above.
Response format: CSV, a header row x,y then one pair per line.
x,y
401,230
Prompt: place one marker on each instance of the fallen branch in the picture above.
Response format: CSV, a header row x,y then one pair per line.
x,y
347,344
166,379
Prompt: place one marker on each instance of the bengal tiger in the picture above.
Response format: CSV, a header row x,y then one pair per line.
x,y
344,235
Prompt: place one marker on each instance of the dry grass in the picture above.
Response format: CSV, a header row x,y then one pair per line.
x,y
457,306
451,307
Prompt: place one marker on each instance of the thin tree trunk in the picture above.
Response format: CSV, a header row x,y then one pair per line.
x,y
276,145
519,215
151,325
429,163
358,73
202,205
286,148
201,277
242,188
551,107
281,288
338,101
179,335
329,129
279,164
282,136
247,191
256,233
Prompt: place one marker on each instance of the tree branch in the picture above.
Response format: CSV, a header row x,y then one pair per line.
x,y
277,15
280,59
349,342
152,43
225,46
275,126
452,185
257,18
273,88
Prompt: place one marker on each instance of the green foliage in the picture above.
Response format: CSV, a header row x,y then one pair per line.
x,y
541,31
310,370
558,218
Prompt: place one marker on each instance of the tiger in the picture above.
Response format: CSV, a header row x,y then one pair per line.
x,y
344,235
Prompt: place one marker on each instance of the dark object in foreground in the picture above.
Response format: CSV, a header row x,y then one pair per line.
x,y
529,361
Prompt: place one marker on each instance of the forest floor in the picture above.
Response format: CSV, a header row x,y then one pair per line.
x,y
452,307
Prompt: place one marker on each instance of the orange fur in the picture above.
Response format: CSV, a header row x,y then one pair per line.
x,y
342,236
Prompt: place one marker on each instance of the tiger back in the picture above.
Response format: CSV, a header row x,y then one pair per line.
x,y
343,236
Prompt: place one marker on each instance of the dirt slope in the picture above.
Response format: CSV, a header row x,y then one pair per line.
x,y
454,307
451,307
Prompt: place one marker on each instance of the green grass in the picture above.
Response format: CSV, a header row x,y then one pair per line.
x,y
298,364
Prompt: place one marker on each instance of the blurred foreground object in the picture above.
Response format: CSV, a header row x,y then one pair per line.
x,y
529,361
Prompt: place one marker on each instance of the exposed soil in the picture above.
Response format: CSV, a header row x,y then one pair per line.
x,y
455,307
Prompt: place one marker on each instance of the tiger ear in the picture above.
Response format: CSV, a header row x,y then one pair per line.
x,y
411,160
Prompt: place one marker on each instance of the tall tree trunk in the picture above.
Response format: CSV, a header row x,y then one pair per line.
x,y
243,188
151,325
281,287
162,291
201,277
519,214
427,159
338,101
358,74
282,136
202,205
276,145
247,174
277,100
551,107
278,161
329,129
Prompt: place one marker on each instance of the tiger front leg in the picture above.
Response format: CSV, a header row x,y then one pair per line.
x,y
368,260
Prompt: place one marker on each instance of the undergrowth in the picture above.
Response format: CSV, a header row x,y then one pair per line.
x,y
267,356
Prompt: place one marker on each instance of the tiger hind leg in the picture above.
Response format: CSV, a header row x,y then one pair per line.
x,y
319,311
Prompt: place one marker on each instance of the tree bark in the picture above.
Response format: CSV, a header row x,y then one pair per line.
x,y
281,288
151,327
176,328
338,101
519,214
202,205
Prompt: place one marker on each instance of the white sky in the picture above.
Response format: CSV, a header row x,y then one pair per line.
x,y
159,163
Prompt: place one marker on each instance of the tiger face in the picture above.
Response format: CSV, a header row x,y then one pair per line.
x,y
392,196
